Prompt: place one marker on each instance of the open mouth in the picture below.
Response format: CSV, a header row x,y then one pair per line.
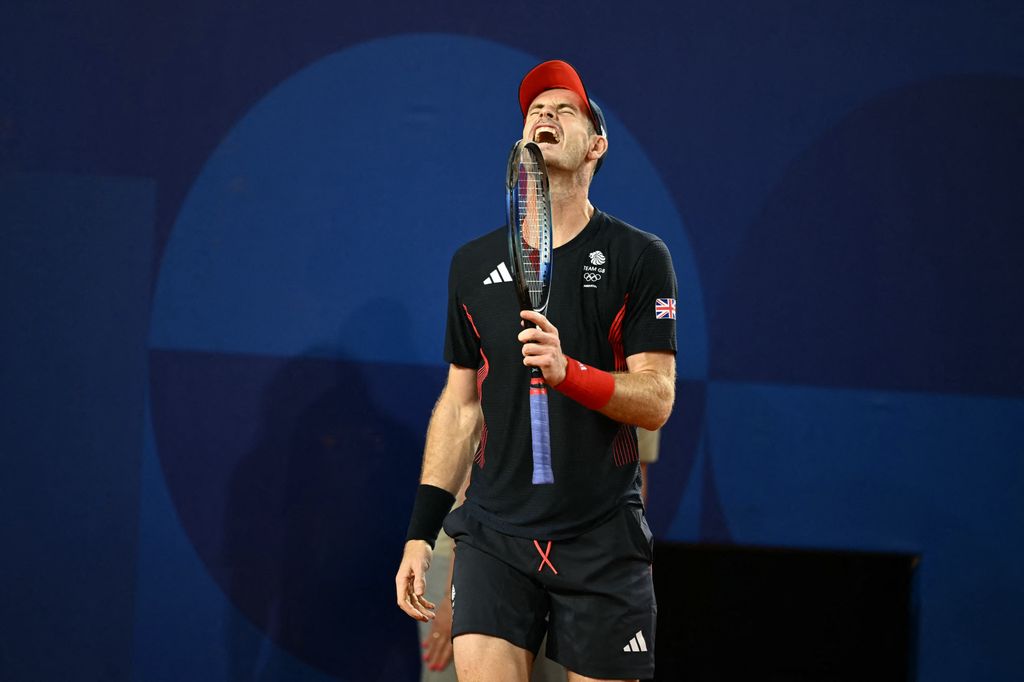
x,y
546,134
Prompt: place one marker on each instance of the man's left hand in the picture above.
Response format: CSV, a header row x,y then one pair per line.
x,y
542,347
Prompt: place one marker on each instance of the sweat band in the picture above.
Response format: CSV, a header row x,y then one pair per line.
x,y
589,386
428,512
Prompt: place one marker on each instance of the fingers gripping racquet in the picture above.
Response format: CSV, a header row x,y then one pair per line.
x,y
530,250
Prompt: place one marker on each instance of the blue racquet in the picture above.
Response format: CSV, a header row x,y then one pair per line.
x,y
530,250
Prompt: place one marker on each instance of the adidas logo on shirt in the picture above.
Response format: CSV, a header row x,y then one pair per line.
x,y
636,644
498,275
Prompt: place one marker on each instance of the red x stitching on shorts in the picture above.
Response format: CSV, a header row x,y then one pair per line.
x,y
545,555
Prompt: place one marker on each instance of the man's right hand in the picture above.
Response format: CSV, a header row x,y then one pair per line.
x,y
411,581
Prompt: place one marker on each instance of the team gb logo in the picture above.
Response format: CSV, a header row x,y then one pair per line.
x,y
596,258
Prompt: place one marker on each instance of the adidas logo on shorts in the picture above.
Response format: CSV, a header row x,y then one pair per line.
x,y
636,644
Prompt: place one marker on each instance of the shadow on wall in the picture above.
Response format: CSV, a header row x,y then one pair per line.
x,y
294,478
309,549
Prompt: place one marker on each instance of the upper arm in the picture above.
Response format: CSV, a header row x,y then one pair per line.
x,y
461,387
660,390
454,426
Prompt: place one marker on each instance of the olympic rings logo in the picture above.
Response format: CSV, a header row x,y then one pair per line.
x,y
591,276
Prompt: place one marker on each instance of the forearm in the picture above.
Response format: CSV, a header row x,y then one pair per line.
x,y
641,398
452,436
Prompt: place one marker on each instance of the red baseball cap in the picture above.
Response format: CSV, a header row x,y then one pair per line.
x,y
557,74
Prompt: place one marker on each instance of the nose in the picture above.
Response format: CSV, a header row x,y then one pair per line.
x,y
546,111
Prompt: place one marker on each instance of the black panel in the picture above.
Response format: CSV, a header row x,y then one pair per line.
x,y
783,615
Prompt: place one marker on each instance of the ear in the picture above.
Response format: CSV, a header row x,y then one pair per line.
x,y
597,148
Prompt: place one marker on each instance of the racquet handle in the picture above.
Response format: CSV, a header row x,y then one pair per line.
x,y
540,428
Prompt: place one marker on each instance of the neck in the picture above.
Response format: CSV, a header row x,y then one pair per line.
x,y
571,209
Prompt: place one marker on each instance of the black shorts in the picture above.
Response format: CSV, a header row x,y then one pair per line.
x,y
593,594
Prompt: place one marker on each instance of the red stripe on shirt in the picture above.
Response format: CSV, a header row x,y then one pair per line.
x,y
478,458
615,337
624,447
481,375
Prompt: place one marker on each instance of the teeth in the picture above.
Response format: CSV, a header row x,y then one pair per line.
x,y
546,134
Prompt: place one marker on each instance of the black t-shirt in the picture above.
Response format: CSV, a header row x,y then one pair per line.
x,y
613,294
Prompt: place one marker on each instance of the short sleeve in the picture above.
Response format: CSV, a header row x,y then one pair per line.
x,y
650,323
461,344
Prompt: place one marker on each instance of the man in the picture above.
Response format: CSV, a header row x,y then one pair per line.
x,y
570,559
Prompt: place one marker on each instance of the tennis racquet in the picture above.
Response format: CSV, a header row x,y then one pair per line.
x,y
530,250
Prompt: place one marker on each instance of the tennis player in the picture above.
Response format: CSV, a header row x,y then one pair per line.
x,y
570,559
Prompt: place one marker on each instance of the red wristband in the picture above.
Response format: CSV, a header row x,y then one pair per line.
x,y
586,385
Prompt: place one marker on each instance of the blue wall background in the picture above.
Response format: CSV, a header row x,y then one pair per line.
x,y
215,400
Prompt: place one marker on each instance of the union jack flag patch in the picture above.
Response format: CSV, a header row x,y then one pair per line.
x,y
665,308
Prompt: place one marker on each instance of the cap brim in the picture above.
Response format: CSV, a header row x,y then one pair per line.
x,y
551,75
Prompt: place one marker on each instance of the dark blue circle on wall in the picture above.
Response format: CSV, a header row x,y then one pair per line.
x,y
299,316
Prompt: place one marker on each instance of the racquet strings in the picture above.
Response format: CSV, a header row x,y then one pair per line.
x,y
534,228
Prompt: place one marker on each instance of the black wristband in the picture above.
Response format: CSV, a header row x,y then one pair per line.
x,y
432,505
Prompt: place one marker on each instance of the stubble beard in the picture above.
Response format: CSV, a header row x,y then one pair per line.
x,y
568,158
